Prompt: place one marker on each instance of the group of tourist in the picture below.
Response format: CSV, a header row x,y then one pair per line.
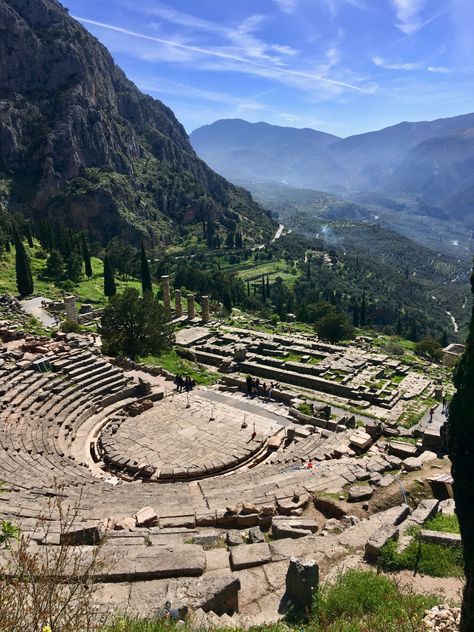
x,y
184,383
255,387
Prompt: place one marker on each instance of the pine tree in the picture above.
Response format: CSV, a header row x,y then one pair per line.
x,y
24,278
73,267
145,271
362,313
55,265
109,279
461,448
86,255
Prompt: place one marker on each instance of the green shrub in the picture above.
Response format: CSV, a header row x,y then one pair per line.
x,y
70,327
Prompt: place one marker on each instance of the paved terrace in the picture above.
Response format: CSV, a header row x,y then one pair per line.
x,y
187,436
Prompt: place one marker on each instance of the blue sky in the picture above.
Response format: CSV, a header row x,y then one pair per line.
x,y
342,66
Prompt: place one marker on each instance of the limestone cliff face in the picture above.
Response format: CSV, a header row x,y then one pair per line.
x,y
79,141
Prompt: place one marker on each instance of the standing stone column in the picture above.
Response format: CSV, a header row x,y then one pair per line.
x,y
71,309
177,303
191,310
205,309
165,283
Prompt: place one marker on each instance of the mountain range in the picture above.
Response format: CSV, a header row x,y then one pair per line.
x,y
428,166
80,142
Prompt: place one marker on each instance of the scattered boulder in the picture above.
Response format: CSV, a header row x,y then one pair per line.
x,y
360,439
425,510
302,579
146,517
256,535
249,555
291,506
234,538
443,618
293,527
375,543
439,537
84,535
412,463
447,507
358,493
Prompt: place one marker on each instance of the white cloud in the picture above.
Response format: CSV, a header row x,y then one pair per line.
x,y
287,6
381,63
439,69
163,86
227,59
378,61
408,15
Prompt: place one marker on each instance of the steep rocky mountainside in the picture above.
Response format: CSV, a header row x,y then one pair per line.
x,y
79,141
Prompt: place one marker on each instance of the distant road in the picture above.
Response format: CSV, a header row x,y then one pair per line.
x,y
279,232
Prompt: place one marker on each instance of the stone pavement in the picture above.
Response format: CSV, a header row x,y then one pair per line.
x,y
187,435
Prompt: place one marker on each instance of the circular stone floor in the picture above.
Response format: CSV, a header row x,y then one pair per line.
x,y
174,441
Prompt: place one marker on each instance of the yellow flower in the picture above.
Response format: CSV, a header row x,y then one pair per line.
x,y
46,628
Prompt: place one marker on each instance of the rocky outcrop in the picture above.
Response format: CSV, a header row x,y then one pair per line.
x,y
79,141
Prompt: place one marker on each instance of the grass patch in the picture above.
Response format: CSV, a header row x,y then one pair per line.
x,y
443,523
434,559
362,601
88,290
305,409
173,363
358,601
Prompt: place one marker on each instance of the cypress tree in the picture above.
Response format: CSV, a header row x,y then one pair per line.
x,y
248,288
362,311
461,450
398,327
29,236
268,286
145,271
86,255
263,289
24,278
355,314
229,242
444,339
413,333
109,279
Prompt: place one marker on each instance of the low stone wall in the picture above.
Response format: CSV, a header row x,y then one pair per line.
x,y
130,365
438,537
277,395
298,379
